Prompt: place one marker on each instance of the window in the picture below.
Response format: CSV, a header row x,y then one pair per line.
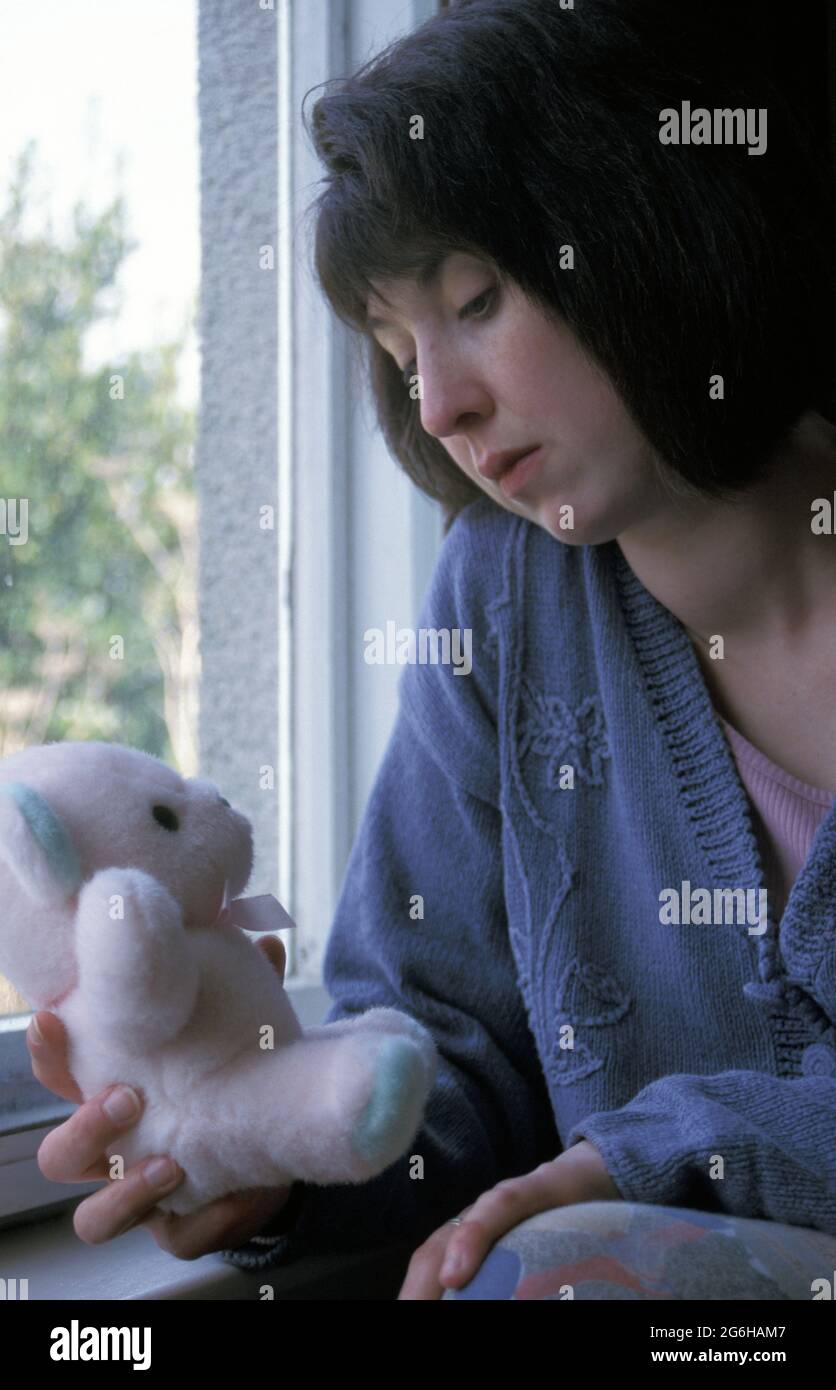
x,y
99,371
243,651
98,394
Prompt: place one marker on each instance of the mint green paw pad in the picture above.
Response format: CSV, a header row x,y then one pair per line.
x,y
399,1073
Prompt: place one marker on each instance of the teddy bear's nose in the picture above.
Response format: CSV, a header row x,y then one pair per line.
x,y
224,801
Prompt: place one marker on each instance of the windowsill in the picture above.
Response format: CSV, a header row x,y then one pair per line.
x,y
59,1266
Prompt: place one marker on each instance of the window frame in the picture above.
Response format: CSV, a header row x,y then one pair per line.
x,y
361,528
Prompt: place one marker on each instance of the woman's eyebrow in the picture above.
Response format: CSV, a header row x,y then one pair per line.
x,y
425,277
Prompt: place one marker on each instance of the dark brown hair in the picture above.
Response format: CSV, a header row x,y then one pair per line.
x,y
541,130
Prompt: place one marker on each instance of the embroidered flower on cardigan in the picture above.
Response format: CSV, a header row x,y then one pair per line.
x,y
564,735
573,1064
587,997
591,996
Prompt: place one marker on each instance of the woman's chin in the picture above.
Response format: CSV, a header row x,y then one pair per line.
x,y
562,521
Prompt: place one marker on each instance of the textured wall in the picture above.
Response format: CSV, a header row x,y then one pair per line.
x,y
237,439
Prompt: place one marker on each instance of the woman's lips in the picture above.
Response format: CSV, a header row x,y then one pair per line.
x,y
514,479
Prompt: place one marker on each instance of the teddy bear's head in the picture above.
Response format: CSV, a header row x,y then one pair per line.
x,y
68,810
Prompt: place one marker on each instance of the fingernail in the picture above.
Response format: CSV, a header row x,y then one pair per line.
x,y
161,1172
122,1104
453,1265
34,1033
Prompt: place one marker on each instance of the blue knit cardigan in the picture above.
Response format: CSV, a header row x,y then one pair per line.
x,y
544,806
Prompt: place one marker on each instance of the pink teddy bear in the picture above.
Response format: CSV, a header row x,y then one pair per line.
x,y
118,880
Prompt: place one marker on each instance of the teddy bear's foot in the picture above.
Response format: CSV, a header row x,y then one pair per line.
x,y
384,1020
393,1111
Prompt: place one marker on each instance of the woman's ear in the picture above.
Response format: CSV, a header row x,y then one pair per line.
x,y
35,845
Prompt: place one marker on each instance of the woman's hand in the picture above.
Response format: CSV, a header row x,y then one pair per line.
x,y
577,1175
76,1152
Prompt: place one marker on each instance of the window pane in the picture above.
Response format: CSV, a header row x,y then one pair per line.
x,y
99,261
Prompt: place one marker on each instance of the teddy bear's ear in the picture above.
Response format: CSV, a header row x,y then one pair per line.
x,y
35,845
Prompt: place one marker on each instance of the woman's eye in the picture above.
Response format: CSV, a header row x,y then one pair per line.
x,y
466,312
470,310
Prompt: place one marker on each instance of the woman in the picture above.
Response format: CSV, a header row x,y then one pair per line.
x,y
633,1061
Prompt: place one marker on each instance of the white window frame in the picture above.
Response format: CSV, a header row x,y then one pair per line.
x,y
364,538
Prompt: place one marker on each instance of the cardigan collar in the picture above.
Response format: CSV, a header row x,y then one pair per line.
x,y
796,956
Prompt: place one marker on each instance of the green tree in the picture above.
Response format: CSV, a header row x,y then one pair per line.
x,y
98,622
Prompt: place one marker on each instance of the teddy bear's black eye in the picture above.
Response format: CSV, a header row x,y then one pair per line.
x,y
165,817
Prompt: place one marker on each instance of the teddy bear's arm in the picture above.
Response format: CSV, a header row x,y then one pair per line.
x,y
138,970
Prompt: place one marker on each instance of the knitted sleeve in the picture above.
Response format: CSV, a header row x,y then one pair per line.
x,y
742,1142
421,926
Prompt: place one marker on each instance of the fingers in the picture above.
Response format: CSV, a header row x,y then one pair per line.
x,y
273,948
125,1202
49,1056
422,1279
453,1254
494,1214
75,1150
223,1224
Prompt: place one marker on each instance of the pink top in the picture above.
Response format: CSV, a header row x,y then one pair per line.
x,y
787,814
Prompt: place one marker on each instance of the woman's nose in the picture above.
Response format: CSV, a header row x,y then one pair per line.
x,y
451,394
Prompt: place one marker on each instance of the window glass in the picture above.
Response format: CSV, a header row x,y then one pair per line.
x,y
99,259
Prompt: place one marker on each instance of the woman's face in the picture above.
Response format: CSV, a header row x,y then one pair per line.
x,y
496,376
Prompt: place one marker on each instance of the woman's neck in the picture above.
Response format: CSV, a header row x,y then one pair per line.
x,y
751,569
